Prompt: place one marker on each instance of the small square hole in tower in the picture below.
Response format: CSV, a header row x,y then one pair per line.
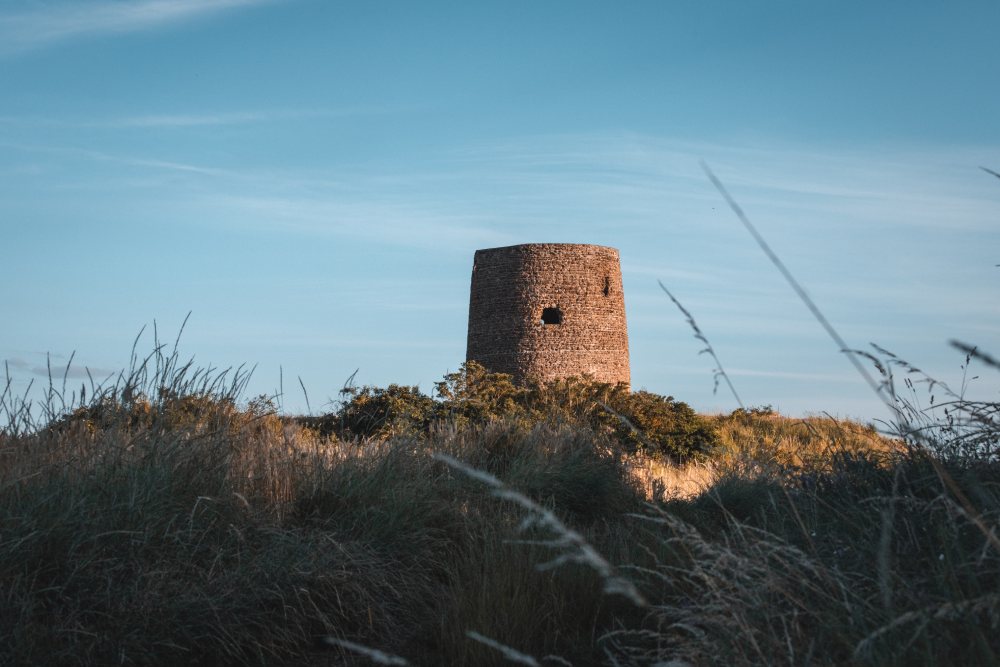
x,y
552,316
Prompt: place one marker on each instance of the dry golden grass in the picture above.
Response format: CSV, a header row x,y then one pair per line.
x,y
660,478
755,443
795,443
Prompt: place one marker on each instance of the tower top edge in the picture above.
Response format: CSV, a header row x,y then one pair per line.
x,y
532,247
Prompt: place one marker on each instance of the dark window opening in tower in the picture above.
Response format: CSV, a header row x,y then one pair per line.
x,y
552,316
607,285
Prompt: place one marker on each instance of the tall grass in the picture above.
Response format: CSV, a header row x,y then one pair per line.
x,y
165,519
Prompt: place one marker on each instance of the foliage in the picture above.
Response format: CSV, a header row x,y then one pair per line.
x,y
373,412
661,425
473,394
577,400
639,421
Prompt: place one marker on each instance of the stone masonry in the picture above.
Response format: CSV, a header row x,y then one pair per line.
x,y
549,310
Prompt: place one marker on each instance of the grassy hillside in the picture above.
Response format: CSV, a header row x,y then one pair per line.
x,y
166,520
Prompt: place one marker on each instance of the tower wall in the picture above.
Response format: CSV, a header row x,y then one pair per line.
x,y
576,288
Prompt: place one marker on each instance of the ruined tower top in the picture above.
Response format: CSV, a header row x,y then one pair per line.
x,y
549,310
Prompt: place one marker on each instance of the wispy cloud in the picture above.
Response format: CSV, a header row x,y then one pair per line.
x,y
789,375
199,119
48,24
196,120
57,371
102,156
412,224
182,120
903,186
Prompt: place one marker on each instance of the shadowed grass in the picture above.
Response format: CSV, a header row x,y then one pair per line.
x,y
166,520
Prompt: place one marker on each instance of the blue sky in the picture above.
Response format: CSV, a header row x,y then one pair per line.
x,y
311,178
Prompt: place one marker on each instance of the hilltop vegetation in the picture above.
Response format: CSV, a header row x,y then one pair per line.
x,y
166,520
636,421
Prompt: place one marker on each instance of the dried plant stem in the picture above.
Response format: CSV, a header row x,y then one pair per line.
x,y
813,308
719,370
974,352
578,550
375,655
852,355
509,653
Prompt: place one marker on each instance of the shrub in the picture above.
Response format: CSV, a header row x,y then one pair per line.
x,y
640,421
659,425
577,399
373,412
474,394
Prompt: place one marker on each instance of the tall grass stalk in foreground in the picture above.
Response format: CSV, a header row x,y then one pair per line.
x,y
799,290
908,416
718,371
979,414
572,546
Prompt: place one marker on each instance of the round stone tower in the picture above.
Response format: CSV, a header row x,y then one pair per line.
x,y
549,310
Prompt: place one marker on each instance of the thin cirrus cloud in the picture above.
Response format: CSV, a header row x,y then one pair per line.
x,y
789,375
53,23
193,120
401,224
57,371
905,186
241,117
101,156
156,120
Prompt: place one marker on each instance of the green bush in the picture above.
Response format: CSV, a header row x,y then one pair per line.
x,y
474,394
373,412
638,421
659,425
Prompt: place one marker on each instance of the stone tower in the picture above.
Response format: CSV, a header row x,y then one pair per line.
x,y
549,310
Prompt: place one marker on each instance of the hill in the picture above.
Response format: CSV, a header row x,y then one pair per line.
x,y
167,520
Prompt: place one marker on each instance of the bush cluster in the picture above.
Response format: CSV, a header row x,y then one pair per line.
x,y
638,421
